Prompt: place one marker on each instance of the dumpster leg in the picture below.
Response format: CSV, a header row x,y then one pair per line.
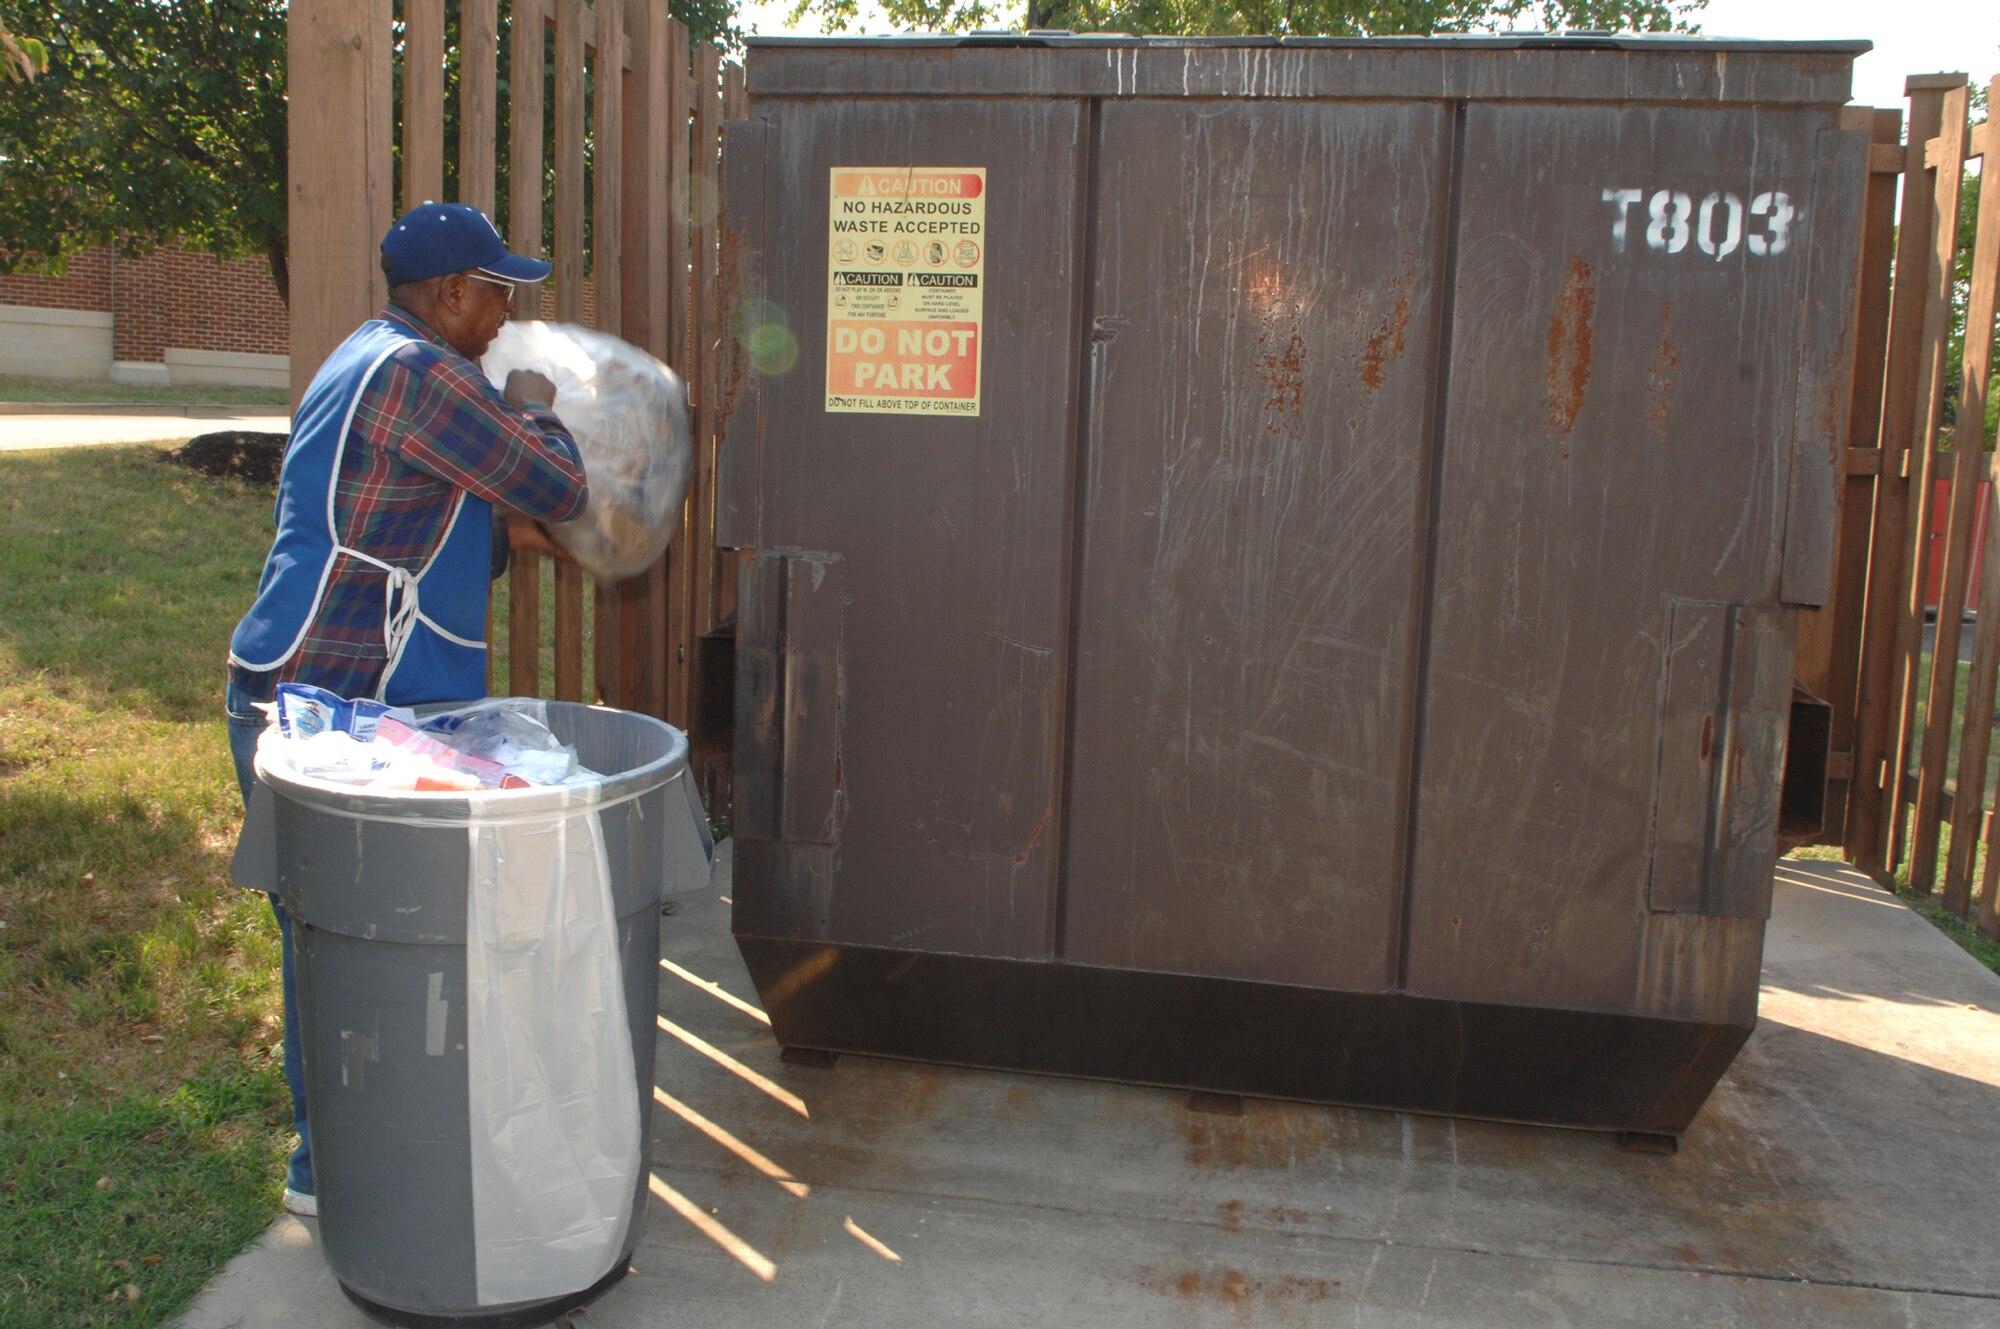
x,y
819,1057
1647,1142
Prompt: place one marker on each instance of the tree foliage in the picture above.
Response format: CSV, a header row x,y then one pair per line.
x,y
1280,18
165,119
155,117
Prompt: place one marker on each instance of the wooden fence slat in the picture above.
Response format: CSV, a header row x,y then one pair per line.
x,y
525,154
729,363
478,52
423,102
606,175
735,93
568,252
1840,625
568,257
1942,696
569,632
479,49
645,281
680,244
1969,440
607,170
706,179
1899,571
338,161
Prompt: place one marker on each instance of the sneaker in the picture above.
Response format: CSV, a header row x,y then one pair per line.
x,y
303,1203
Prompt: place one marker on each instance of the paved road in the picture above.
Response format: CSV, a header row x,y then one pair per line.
x,y
21,432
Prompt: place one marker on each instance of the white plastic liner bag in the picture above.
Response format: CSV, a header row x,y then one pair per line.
x,y
556,1151
628,413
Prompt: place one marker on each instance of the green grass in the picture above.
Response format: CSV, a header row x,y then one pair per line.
x,y
15,388
138,988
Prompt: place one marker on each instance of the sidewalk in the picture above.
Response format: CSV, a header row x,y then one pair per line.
x,y
75,426
1841,1175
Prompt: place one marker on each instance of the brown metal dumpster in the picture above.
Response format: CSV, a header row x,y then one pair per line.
x,y
1273,568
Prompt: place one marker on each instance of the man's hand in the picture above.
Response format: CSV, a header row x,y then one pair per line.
x,y
525,533
525,388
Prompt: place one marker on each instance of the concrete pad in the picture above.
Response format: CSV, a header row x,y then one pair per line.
x,y
19,433
1839,1175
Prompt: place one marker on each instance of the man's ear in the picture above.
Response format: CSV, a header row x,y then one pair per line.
x,y
452,290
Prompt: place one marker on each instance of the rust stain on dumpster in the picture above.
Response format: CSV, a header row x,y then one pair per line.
x,y
1284,374
1660,377
1391,336
1569,344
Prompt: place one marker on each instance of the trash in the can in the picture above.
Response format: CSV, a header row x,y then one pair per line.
x,y
494,744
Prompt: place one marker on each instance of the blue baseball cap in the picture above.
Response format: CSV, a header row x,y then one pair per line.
x,y
434,239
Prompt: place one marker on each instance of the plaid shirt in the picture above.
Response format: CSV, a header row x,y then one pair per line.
x,y
428,425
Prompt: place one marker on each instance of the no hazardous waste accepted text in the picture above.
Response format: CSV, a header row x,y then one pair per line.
x,y
906,278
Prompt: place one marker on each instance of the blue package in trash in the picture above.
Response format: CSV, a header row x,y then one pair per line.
x,y
304,710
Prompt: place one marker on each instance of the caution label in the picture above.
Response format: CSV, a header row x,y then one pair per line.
x,y
906,277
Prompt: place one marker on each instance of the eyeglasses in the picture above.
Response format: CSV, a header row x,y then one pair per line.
x,y
506,286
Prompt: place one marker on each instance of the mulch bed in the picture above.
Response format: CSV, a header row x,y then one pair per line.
x,y
246,455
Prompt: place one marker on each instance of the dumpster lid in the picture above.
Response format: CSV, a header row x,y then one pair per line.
x,y
1573,40
1623,68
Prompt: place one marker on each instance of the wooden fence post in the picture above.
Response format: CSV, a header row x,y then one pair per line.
x,y
1828,660
645,273
1891,505
1946,156
423,102
339,171
1902,511
1969,442
478,53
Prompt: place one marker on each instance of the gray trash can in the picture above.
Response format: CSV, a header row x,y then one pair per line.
x,y
478,978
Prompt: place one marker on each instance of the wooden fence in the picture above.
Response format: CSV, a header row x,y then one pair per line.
x,y
1897,710
614,120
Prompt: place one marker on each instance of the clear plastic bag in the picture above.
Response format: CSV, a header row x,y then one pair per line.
x,y
628,413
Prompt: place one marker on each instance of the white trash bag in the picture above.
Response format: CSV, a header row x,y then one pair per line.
x,y
628,414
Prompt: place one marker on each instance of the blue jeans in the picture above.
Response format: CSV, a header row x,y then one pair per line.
x,y
245,724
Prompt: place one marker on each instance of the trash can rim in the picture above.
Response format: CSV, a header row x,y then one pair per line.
x,y
458,807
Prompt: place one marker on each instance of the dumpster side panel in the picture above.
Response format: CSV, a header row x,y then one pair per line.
x,y
1626,331
920,808
1262,371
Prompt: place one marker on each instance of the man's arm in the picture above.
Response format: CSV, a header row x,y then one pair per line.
x,y
462,431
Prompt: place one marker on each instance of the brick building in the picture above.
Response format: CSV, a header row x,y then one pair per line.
x,y
169,317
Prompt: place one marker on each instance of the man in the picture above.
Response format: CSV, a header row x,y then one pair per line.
x,y
377,582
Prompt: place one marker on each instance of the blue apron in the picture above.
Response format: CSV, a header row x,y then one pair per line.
x,y
433,619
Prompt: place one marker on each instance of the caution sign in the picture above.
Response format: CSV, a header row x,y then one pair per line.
x,y
906,277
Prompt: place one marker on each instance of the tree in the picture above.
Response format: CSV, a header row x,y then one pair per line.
x,y
1281,18
165,119
155,118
